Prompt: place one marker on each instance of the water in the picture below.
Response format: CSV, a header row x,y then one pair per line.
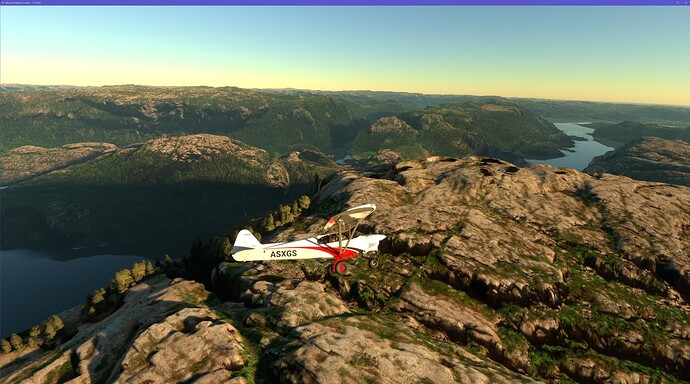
x,y
579,156
37,284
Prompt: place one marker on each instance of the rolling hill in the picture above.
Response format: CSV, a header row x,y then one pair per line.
x,y
497,127
163,192
627,131
124,115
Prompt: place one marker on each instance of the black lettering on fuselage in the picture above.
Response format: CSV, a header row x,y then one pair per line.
x,y
286,253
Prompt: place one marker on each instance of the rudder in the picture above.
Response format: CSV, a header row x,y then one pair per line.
x,y
245,240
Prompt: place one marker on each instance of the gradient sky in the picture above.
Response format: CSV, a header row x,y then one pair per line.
x,y
632,54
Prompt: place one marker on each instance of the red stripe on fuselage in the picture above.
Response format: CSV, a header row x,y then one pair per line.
x,y
347,254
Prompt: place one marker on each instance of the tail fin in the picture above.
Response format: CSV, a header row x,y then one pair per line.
x,y
245,240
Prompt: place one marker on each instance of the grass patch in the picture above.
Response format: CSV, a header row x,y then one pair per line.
x,y
212,300
364,360
60,375
512,339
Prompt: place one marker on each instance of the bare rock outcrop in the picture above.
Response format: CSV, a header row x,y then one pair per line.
x,y
202,147
557,255
365,349
162,333
390,124
648,158
27,162
188,343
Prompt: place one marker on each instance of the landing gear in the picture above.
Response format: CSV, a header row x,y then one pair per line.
x,y
341,268
373,263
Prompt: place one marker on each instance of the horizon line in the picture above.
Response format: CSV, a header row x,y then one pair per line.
x,y
340,90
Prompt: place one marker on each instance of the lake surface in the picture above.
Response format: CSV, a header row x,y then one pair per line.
x,y
37,284
579,156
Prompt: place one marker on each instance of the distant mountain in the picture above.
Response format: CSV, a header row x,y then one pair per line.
x,y
633,130
569,111
493,127
175,189
278,120
648,158
563,111
32,88
125,115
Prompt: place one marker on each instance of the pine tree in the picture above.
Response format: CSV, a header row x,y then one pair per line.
x,y
270,222
304,202
150,270
138,271
123,279
6,346
49,331
35,331
97,296
17,342
57,322
284,214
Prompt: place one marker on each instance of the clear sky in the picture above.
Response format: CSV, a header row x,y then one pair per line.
x,y
632,54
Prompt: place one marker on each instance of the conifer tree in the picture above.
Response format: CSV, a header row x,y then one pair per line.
x,y
270,223
49,331
17,342
150,270
6,346
35,331
138,271
123,279
57,322
97,296
304,202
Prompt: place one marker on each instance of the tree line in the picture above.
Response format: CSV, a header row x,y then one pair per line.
x,y
38,335
204,256
99,303
103,301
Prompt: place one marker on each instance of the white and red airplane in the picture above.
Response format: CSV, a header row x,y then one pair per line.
x,y
337,242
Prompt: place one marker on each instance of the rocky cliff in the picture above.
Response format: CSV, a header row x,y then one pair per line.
x,y
648,158
490,273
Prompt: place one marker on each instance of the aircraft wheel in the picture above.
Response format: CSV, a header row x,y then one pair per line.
x,y
373,263
341,268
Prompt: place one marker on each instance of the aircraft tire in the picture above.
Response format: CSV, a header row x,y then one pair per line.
x,y
341,268
373,263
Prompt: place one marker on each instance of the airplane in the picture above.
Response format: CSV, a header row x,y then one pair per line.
x,y
338,242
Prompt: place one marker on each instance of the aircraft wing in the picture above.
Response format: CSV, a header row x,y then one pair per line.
x,y
349,218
